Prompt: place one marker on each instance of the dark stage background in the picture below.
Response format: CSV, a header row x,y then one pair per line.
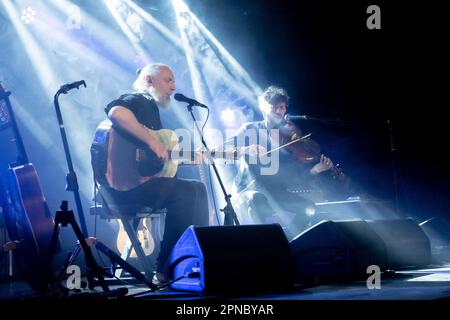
x,y
333,67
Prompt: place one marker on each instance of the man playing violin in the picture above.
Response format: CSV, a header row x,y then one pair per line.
x,y
284,196
136,116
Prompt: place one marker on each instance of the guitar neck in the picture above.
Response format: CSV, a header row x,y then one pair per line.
x,y
194,156
22,157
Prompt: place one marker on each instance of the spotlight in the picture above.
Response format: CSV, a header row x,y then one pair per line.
x,y
310,211
228,116
28,15
136,24
232,117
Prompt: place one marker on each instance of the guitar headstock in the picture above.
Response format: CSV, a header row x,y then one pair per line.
x,y
4,115
3,92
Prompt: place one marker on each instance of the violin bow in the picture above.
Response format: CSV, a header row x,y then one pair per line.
x,y
286,144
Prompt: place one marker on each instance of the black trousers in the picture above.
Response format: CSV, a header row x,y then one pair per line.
x,y
261,211
186,202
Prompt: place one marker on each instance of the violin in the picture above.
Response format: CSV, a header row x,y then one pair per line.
x,y
305,149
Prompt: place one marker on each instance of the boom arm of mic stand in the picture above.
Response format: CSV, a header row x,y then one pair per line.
x,y
330,121
230,216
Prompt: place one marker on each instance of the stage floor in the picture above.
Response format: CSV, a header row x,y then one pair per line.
x,y
423,284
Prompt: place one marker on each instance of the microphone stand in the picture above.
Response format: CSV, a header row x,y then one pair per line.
x,y
230,217
71,177
395,166
65,216
328,121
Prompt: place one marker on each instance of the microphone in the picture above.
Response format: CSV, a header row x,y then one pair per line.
x,y
69,86
288,117
182,98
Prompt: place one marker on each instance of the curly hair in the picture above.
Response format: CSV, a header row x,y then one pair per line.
x,y
275,95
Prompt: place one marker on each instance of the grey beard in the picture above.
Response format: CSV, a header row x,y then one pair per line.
x,y
163,103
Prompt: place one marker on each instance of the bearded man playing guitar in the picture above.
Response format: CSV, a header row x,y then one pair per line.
x,y
135,118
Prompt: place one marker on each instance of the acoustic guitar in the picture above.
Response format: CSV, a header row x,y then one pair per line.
x,y
27,216
144,236
123,163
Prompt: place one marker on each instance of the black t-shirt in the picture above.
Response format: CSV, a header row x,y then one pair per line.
x,y
143,107
146,112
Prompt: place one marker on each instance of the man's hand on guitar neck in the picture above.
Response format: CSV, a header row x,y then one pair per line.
x,y
9,246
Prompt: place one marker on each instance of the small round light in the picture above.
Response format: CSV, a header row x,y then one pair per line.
x,y
310,211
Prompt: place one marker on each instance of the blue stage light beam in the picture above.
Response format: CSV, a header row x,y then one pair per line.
x,y
126,20
38,59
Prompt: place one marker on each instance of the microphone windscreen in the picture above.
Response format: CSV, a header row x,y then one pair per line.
x,y
178,97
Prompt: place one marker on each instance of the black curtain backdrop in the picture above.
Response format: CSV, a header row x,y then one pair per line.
x,y
333,66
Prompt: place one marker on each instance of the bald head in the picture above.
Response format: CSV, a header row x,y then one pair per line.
x,y
158,80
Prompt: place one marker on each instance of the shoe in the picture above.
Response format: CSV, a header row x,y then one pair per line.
x,y
159,279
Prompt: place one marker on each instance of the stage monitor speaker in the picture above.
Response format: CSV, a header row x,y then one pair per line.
x,y
407,246
248,258
332,250
438,231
